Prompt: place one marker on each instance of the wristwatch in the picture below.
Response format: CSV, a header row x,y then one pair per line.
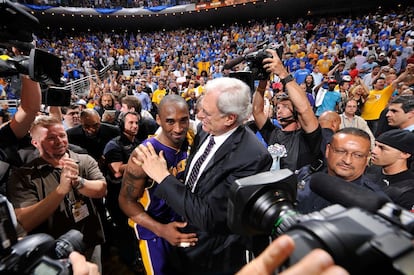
x,y
286,80
81,183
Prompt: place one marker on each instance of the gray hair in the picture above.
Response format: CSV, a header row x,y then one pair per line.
x,y
234,97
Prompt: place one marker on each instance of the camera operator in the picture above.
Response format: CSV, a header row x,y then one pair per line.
x,y
300,132
18,127
29,107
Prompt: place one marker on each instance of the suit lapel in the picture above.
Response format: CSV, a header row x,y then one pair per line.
x,y
228,146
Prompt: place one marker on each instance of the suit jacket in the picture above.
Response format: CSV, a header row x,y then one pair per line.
x,y
218,250
94,145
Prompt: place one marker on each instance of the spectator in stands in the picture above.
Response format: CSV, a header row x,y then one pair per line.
x,y
396,60
301,73
146,87
142,96
81,104
317,76
382,60
327,99
71,116
370,77
367,66
106,108
359,60
337,72
344,86
199,89
353,72
158,95
378,99
349,118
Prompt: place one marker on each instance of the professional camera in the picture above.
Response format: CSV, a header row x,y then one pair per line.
x,y
255,60
16,30
17,26
360,241
35,254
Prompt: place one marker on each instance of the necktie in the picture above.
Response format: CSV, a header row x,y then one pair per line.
x,y
196,168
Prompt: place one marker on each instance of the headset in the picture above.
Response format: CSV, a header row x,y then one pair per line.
x,y
292,118
121,119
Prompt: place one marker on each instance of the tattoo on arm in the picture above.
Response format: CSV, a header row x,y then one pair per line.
x,y
132,183
130,189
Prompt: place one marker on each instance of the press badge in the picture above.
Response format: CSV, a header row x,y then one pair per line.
x,y
79,210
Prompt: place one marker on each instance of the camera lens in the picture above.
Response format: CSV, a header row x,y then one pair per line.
x,y
270,209
69,242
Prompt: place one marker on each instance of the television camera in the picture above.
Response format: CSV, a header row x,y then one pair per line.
x,y
255,59
361,241
37,254
16,31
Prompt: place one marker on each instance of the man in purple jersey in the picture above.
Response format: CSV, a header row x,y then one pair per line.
x,y
157,226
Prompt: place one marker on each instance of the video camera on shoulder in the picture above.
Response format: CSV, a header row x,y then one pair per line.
x,y
37,254
16,30
374,240
255,60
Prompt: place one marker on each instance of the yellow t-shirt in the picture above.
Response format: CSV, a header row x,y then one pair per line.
x,y
158,95
294,48
376,101
324,65
203,66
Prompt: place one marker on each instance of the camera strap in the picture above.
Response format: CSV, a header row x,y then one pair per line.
x,y
305,172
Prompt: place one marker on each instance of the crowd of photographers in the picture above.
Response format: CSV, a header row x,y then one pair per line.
x,y
354,68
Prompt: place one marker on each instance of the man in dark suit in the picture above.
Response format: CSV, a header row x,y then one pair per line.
x,y
92,134
202,200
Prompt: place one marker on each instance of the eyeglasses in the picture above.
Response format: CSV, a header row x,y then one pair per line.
x,y
342,153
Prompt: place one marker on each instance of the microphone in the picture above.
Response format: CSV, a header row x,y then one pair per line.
x,y
287,119
233,62
348,194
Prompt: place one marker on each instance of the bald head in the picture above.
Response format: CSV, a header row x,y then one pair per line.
x,y
330,119
90,121
172,100
86,113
